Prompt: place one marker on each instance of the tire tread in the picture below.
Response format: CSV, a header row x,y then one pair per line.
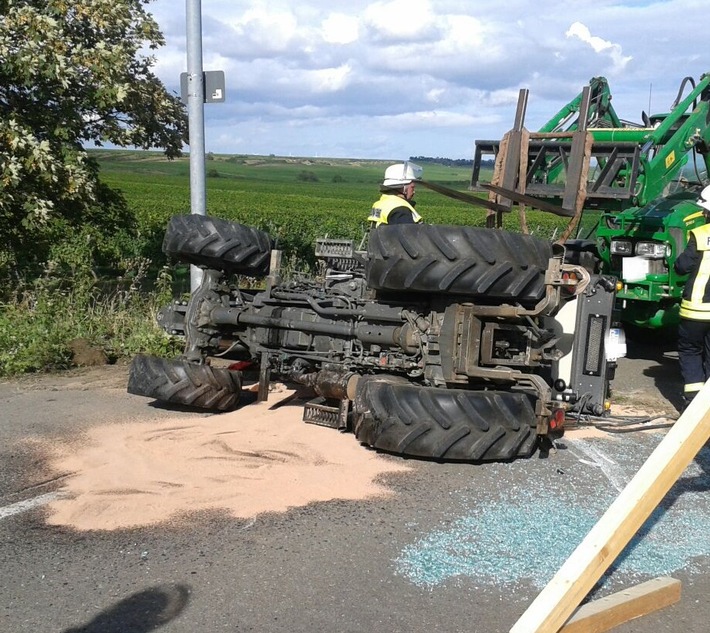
x,y
464,260
178,381
211,242
448,424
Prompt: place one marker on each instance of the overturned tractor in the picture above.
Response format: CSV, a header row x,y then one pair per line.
x,y
445,342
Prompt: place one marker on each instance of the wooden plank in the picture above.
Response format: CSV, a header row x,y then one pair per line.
x,y
621,521
608,612
494,219
578,167
274,275
523,177
577,171
582,191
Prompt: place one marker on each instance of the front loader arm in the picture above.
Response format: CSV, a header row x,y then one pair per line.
x,y
679,133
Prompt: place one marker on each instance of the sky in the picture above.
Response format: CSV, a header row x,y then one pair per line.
x,y
391,79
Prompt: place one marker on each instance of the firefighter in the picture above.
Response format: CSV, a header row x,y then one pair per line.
x,y
694,326
396,204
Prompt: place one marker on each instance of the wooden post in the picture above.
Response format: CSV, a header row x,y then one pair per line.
x,y
606,540
625,605
274,276
523,178
587,140
493,217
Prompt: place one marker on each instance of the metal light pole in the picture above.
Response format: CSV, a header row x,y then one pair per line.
x,y
196,118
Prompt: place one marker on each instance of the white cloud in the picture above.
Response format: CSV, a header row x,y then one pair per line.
x,y
348,76
432,119
400,20
169,64
599,45
503,97
435,94
265,29
330,79
340,28
464,33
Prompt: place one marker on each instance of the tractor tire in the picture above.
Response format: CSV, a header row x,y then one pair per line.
x,y
463,260
181,382
443,424
214,243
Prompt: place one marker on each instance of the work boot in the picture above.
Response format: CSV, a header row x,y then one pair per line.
x,y
688,397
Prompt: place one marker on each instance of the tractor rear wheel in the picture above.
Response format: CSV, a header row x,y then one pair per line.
x,y
214,243
181,382
465,260
449,424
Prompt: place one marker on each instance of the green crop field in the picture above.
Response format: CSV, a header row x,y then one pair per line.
x,y
296,200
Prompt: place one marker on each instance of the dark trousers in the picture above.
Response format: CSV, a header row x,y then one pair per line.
x,y
694,354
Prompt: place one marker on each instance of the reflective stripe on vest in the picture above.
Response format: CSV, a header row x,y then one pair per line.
x,y
695,307
693,387
383,207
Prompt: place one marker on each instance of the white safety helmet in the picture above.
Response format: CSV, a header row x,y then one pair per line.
x,y
401,174
704,200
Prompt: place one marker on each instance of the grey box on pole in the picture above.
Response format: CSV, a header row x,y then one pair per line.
x,y
214,86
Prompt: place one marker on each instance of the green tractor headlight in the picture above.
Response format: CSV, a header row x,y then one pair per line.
x,y
651,250
621,247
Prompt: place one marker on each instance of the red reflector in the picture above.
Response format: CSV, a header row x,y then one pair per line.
x,y
568,281
557,419
240,365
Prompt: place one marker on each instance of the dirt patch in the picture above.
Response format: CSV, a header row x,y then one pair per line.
x,y
84,354
254,460
81,378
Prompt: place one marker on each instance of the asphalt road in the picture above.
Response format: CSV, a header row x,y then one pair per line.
x,y
456,548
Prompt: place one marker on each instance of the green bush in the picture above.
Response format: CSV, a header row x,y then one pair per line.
x,y
307,176
39,323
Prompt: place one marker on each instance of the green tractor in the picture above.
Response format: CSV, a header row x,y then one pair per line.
x,y
629,190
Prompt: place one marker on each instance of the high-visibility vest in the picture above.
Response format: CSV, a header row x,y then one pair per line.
x,y
385,205
696,303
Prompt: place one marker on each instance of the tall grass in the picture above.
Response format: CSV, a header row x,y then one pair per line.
x,y
40,323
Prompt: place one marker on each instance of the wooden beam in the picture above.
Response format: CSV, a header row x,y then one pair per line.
x,y
579,153
621,521
611,611
581,176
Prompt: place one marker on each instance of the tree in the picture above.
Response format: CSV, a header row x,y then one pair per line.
x,y
72,73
